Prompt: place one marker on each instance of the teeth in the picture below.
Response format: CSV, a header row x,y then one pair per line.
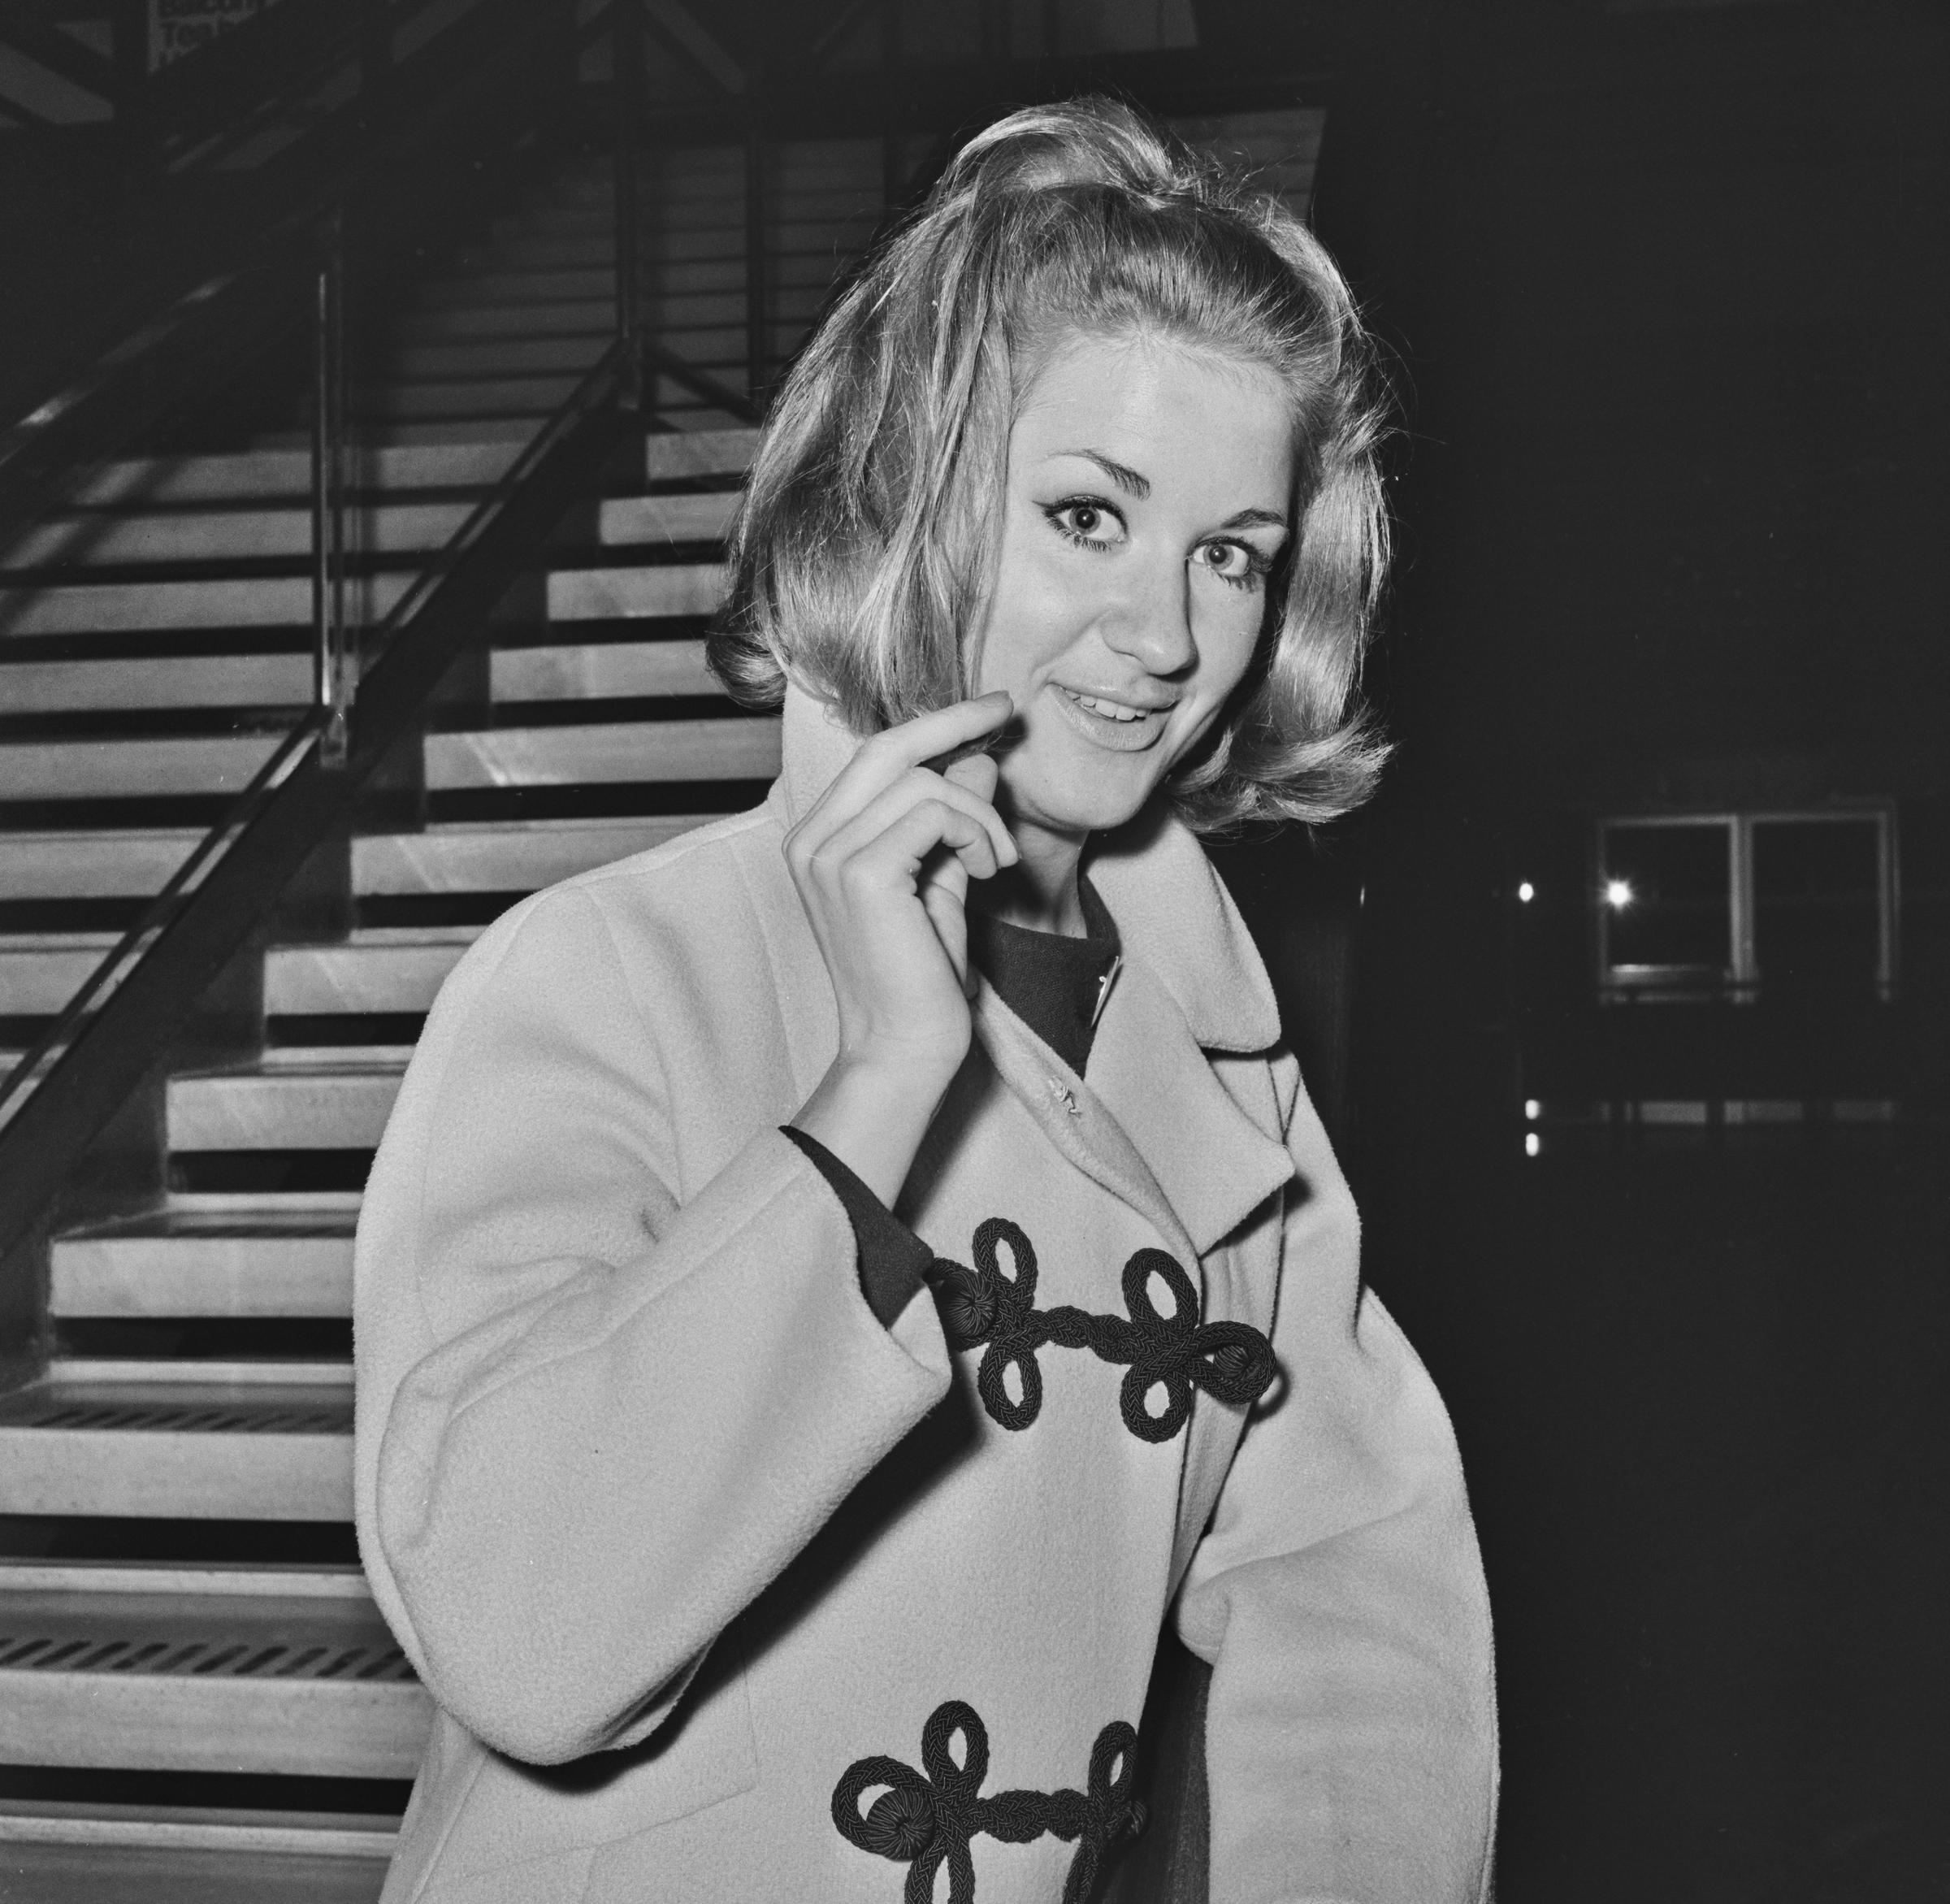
x,y
1110,710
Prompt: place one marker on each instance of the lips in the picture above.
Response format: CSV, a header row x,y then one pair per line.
x,y
1109,721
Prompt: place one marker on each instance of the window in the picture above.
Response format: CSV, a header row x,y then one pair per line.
x,y
1703,904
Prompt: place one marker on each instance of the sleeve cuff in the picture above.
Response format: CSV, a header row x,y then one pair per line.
x,y
892,1260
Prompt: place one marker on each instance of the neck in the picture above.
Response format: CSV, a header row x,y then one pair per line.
x,y
1040,891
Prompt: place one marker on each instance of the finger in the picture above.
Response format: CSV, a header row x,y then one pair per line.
x,y
883,759
977,772
916,787
944,889
894,855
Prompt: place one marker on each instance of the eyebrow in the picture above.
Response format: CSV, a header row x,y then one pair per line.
x,y
1133,483
1127,479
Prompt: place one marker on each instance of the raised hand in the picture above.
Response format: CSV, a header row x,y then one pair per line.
x,y
882,863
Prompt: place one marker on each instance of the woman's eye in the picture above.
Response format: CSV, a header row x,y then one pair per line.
x,y
1233,562
1091,525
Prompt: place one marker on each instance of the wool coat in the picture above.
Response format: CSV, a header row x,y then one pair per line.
x,y
726,1590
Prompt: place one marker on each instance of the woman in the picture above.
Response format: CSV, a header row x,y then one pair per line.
x,y
832,1287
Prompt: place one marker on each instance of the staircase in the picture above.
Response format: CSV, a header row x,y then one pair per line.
x,y
197,1699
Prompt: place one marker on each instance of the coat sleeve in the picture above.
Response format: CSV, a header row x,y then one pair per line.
x,y
1338,1597
593,1424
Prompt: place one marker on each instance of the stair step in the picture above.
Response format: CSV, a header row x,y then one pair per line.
x,y
301,1098
549,251
255,475
131,863
515,856
622,520
128,608
160,1670
603,595
388,969
611,670
154,681
675,454
55,1853
216,536
177,1449
130,768
628,751
41,971
235,1256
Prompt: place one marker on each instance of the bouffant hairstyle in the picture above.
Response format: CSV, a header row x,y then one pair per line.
x,y
865,546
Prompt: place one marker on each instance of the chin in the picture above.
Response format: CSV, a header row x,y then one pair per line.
x,y
1093,806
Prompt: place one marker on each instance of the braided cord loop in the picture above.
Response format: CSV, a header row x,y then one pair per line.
x,y
985,1308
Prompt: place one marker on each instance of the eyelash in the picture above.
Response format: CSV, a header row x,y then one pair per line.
x,y
1257,565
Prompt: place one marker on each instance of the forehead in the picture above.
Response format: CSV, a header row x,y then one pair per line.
x,y
1185,419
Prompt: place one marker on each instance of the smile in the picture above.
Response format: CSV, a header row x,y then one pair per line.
x,y
1111,723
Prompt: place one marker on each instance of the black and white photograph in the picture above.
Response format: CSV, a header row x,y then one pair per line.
x,y
974,952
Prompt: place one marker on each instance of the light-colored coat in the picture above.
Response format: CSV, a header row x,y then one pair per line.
x,y
640,1475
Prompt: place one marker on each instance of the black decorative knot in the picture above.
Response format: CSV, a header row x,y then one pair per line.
x,y
926,1818
1231,1361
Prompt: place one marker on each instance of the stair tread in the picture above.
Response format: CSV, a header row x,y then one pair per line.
x,y
504,855
744,747
257,1579
127,1404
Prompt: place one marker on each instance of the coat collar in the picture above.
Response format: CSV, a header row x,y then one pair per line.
x,y
1171,910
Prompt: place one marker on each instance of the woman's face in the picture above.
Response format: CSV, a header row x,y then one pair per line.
x,y
1148,493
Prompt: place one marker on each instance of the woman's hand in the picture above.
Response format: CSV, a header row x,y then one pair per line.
x,y
883,864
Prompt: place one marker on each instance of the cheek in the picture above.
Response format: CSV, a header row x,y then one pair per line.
x,y
1228,631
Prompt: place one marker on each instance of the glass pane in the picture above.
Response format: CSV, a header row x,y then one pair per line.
x,y
1816,903
1666,896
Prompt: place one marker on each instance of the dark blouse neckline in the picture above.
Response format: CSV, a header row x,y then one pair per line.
x,y
1055,984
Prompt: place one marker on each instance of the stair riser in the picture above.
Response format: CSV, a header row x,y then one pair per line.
x,y
62,865
312,1728
315,981
516,861
203,1275
176,681
129,608
594,317
258,475
608,671
603,595
507,397
254,1112
511,357
677,454
155,1474
38,984
622,521
626,752
109,770
398,529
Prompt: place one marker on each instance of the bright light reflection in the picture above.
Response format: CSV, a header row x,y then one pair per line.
x,y
1533,1144
1532,1109
1527,892
1617,894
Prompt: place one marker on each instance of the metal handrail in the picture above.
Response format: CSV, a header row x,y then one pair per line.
x,y
210,906
120,1023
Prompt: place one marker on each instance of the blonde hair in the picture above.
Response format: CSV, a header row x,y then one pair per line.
x,y
865,544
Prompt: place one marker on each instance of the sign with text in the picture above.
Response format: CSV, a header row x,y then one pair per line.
x,y
178,27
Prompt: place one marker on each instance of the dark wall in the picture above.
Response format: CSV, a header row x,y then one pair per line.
x,y
1668,290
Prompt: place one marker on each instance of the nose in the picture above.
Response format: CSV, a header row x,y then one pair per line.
x,y
1150,619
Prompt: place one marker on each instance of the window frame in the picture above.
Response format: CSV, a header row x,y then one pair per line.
x,y
1740,978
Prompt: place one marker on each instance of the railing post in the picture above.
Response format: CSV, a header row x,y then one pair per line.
x,y
629,61
756,324
334,670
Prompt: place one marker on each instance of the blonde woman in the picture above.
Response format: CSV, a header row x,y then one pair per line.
x,y
836,1286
